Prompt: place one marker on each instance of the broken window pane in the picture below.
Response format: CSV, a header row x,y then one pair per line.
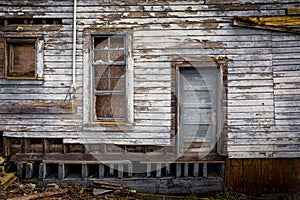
x,y
101,56
117,74
110,107
116,55
101,42
117,42
109,77
101,78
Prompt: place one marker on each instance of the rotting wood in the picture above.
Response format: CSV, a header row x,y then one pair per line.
x,y
41,195
272,23
249,52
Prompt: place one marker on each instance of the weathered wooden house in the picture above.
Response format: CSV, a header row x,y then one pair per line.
x,y
160,95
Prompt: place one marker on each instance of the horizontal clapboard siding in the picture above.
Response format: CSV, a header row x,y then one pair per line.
x,y
262,72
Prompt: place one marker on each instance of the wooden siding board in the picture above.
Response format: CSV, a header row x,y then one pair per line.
x,y
258,59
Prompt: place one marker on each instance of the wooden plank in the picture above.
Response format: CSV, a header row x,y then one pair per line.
x,y
178,170
101,170
186,169
204,170
158,170
120,170
196,169
29,170
263,148
264,155
148,169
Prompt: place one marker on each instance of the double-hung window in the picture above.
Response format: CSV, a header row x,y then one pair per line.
x,y
108,78
109,66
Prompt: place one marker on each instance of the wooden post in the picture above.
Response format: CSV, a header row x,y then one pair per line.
x,y
42,171
29,170
84,171
46,145
7,146
168,168
178,169
61,170
111,169
158,170
196,169
120,170
26,143
186,169
20,167
148,169
204,170
101,171
130,169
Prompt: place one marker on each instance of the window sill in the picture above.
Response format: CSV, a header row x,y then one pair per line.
x,y
21,81
109,126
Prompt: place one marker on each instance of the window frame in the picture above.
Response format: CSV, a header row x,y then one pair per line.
x,y
39,56
108,65
89,115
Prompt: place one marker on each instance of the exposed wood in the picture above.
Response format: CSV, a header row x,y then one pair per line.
x,y
41,195
257,176
260,74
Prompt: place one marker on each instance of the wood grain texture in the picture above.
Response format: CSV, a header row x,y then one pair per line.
x,y
261,72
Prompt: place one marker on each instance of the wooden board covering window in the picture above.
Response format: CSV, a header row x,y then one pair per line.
x,y
21,58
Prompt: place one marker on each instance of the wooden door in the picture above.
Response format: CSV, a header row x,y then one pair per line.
x,y
198,109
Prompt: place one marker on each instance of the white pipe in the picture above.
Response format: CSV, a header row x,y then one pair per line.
x,y
74,44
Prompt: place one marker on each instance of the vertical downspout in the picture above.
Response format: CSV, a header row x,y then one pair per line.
x,y
74,45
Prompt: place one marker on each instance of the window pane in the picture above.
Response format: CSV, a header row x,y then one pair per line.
x,y
116,55
117,42
117,74
110,106
101,42
102,78
22,60
101,56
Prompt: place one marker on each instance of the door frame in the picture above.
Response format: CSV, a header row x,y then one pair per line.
x,y
220,114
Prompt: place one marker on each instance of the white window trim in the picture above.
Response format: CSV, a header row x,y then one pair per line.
x,y
88,118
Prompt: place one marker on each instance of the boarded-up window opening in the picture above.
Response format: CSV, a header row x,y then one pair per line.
x,y
109,63
21,59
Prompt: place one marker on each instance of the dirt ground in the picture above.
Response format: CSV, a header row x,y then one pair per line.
x,y
29,191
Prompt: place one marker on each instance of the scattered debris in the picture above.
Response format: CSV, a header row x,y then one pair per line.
x,y
53,191
97,192
6,179
40,195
